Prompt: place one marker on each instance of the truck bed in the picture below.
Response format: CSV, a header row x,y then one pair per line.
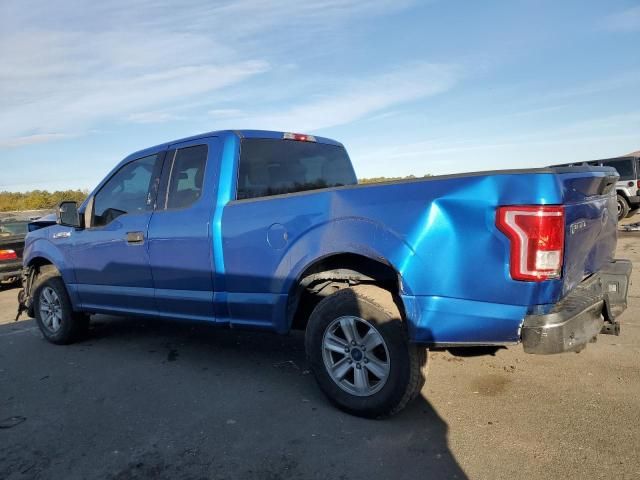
x,y
438,233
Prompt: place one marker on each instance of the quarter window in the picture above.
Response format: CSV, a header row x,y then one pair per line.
x,y
187,176
127,191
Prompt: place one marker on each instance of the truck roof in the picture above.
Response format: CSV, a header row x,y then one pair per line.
x,y
248,133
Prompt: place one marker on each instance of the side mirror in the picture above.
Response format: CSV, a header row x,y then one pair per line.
x,y
67,215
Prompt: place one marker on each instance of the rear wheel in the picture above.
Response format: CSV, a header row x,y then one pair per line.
x,y
623,207
52,308
359,352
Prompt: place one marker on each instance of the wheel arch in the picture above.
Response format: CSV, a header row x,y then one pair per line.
x,y
40,261
623,193
41,252
334,271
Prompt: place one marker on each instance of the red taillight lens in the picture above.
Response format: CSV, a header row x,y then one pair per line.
x,y
638,184
300,137
537,240
8,255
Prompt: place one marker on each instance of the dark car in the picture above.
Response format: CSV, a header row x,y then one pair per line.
x,y
12,234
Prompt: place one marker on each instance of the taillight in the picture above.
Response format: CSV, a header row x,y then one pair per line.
x,y
8,255
638,184
536,234
300,137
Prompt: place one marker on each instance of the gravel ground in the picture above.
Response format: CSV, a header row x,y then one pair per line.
x,y
153,399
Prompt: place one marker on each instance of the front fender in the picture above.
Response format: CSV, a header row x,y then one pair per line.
x,y
43,248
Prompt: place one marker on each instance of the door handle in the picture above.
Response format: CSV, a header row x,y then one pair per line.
x,y
135,237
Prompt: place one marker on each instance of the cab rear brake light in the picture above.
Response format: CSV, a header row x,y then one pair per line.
x,y
536,234
8,255
300,137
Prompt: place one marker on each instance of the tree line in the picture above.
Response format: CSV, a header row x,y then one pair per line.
x,y
43,199
38,199
390,179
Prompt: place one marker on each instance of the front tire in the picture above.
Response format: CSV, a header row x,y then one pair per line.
x,y
358,349
58,322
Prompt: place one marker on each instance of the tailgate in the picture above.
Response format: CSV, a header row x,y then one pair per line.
x,y
590,221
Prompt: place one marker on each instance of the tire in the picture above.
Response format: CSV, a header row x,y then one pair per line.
x,y
623,207
632,212
387,376
58,322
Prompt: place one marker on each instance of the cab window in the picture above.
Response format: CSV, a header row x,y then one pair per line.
x,y
187,177
274,167
129,190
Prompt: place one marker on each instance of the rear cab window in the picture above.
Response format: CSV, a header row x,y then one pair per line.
x,y
9,228
624,167
274,167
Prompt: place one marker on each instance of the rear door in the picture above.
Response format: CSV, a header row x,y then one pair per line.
x,y
180,243
110,256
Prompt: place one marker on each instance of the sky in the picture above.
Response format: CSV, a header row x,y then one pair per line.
x,y
409,86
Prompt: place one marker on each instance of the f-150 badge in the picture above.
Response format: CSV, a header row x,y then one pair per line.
x,y
577,226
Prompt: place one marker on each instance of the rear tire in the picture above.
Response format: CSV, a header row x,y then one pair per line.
x,y
623,207
58,322
377,372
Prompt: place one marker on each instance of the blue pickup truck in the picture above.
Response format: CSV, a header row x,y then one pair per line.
x,y
270,230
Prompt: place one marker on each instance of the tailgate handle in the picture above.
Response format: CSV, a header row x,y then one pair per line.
x,y
135,237
607,184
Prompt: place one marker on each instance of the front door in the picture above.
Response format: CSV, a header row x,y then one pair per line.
x,y
110,256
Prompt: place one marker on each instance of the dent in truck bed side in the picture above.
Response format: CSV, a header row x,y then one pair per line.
x,y
438,236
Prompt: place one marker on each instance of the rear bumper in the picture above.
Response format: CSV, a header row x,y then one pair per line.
x,y
634,200
580,316
10,270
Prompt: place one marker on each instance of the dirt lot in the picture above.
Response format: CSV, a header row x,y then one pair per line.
x,y
143,399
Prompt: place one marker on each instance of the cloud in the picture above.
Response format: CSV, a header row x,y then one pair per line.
x,y
151,117
225,113
33,139
356,99
576,140
624,21
74,65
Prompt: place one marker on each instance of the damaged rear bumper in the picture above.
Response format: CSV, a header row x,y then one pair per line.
x,y
10,271
578,318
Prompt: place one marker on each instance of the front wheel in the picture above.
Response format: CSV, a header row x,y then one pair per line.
x,y
57,321
359,352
